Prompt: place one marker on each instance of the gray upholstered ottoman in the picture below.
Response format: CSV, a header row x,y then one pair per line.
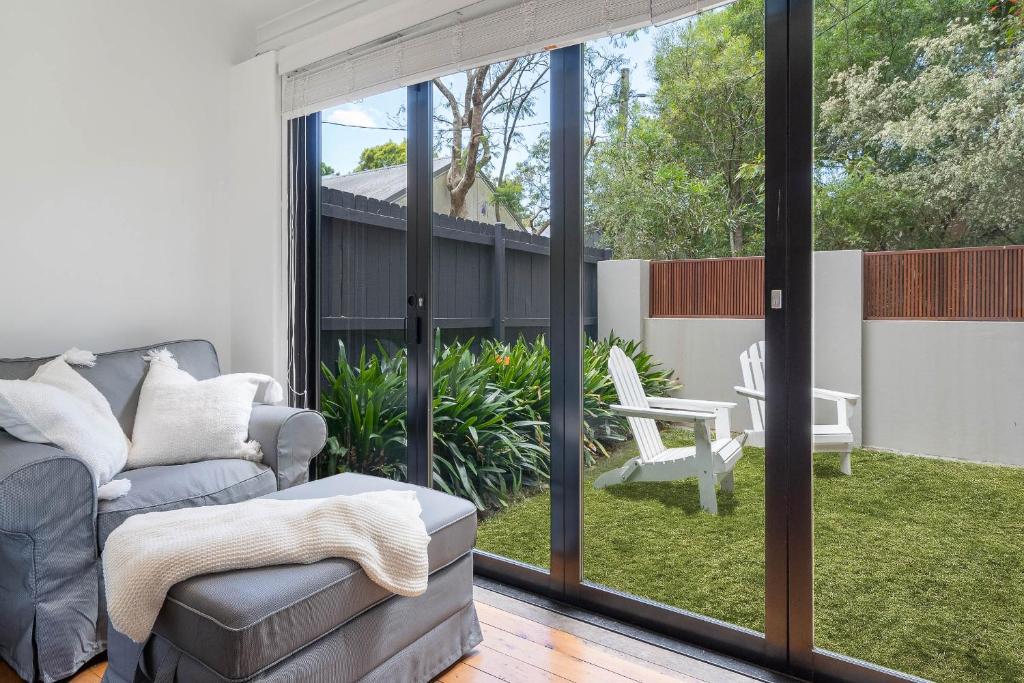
x,y
320,622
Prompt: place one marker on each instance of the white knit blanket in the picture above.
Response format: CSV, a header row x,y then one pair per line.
x,y
149,553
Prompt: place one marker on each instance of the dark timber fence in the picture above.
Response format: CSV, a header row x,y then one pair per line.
x,y
977,283
488,280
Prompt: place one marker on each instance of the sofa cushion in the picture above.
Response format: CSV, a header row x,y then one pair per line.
x,y
119,374
212,482
240,622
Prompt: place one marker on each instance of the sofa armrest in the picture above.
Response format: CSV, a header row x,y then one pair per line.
x,y
41,484
290,438
49,579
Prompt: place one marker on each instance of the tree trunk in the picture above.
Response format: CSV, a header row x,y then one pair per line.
x,y
458,209
736,239
735,225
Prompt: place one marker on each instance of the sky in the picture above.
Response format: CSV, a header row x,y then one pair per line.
x,y
365,122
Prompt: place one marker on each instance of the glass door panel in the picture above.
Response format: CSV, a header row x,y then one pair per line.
x,y
673,499
491,275
363,287
919,276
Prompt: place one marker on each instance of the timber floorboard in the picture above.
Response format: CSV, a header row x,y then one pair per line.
x,y
524,643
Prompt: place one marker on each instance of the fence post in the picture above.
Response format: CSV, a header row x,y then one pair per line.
x,y
499,281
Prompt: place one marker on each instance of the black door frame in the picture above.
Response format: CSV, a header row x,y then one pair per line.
x,y
566,296
789,89
787,644
565,579
419,318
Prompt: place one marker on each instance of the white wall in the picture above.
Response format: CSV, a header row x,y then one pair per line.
x,y
838,315
623,297
704,355
704,352
256,238
113,130
945,388
952,389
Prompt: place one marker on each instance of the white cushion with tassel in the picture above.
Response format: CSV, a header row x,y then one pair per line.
x,y
59,406
180,419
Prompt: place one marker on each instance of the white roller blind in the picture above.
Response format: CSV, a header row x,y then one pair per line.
x,y
669,10
525,27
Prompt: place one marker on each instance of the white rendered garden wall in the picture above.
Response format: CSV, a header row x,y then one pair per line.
x,y
951,389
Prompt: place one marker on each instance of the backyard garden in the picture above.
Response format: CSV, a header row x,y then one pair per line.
x,y
928,548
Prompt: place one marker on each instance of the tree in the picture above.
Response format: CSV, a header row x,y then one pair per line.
x,y
941,141
710,100
647,203
709,103
528,188
527,79
326,169
601,88
524,190
859,34
465,137
383,155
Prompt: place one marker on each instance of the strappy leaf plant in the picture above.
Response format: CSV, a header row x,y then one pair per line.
x,y
492,406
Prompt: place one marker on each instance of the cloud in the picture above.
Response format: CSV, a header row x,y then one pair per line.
x,y
350,116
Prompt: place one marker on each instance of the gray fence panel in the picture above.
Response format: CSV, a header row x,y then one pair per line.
x,y
363,286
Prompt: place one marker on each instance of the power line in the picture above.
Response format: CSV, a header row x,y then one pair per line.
x,y
355,125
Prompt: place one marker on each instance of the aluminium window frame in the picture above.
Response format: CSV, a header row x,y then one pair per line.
x,y
787,644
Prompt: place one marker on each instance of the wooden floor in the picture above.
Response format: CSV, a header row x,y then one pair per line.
x,y
525,643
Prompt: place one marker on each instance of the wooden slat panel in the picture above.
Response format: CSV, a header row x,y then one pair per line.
x,y
708,288
976,283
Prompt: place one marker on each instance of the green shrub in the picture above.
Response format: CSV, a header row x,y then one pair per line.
x,y
483,449
491,411
364,404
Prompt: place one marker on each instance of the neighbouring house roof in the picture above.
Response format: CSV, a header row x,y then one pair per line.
x,y
386,184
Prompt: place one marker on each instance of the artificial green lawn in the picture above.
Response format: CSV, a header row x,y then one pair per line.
x,y
919,563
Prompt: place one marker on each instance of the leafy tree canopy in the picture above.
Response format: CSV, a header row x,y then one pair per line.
x,y
918,116
645,203
326,169
387,154
932,153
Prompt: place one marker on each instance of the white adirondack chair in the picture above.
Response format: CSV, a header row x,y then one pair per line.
x,y
709,460
828,438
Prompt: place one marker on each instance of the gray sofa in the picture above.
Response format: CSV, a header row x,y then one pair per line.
x,y
52,528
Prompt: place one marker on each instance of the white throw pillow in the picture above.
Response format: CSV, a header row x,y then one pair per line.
x,y
59,406
181,419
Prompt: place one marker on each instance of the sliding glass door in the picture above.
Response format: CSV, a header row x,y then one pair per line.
x,y
491,279
918,333
362,268
673,490
578,289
